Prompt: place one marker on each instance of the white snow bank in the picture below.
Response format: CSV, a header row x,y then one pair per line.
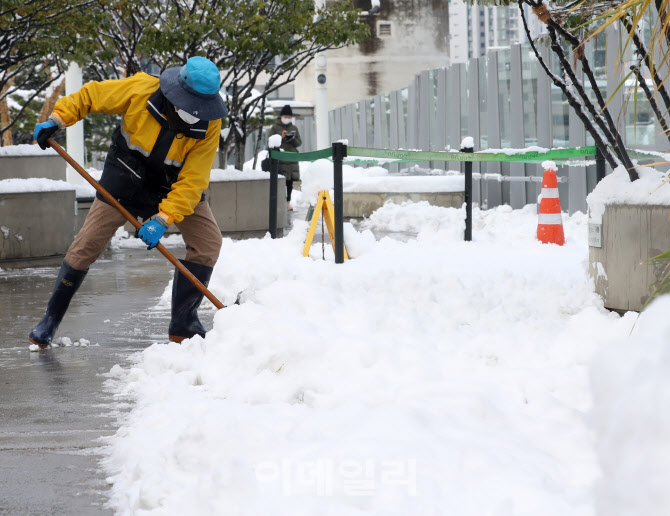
x,y
124,240
292,103
430,377
274,142
512,152
65,342
415,217
25,150
232,174
35,184
468,143
617,188
405,184
319,176
631,389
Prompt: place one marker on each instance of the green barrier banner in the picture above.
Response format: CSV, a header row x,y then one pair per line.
x,y
301,156
525,157
658,157
360,155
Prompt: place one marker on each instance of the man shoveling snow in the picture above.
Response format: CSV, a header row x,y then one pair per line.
x,y
157,167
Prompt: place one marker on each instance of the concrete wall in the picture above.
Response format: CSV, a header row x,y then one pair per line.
x,y
631,235
244,205
362,204
24,167
239,206
36,224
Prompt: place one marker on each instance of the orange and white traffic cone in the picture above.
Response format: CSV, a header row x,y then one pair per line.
x,y
550,223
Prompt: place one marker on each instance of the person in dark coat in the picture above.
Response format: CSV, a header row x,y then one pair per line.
x,y
290,141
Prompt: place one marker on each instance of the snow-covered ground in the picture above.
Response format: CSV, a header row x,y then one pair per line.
x,y
427,377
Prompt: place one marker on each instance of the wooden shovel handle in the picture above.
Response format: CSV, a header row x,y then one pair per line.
x,y
111,200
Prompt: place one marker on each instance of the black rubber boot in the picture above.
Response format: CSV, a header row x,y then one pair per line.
x,y
67,284
186,299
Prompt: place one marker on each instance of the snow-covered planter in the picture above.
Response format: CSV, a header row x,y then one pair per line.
x,y
367,190
628,225
240,200
26,161
36,218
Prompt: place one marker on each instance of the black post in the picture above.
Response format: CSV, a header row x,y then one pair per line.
x,y
600,165
468,196
274,173
339,153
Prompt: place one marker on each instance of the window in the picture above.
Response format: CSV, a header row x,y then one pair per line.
x,y
384,29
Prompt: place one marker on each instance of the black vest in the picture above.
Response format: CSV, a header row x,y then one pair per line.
x,y
140,181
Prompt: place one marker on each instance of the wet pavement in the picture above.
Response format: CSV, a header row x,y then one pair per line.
x,y
53,404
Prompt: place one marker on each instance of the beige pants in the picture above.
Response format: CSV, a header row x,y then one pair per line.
x,y
200,231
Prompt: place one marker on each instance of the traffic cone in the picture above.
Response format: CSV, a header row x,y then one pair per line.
x,y
550,223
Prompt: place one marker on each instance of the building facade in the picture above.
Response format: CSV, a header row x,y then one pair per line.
x,y
406,37
474,29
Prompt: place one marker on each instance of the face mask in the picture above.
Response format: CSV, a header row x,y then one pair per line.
x,y
187,117
285,121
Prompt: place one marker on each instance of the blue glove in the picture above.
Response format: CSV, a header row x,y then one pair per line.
x,y
43,132
152,231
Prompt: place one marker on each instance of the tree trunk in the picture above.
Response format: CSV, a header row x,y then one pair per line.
x,y
50,102
4,115
260,134
240,145
573,101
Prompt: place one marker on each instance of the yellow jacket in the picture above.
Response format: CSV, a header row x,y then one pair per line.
x,y
129,97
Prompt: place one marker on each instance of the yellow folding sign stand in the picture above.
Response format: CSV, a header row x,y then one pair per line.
x,y
325,205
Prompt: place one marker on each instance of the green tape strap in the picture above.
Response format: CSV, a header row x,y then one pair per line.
x,y
301,156
657,157
402,156
361,155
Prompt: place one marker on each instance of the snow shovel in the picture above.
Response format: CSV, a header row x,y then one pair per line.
x,y
108,197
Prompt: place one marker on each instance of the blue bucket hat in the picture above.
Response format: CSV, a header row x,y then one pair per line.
x,y
194,88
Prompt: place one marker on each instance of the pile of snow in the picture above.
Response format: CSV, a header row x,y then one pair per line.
x,y
232,174
293,103
549,165
512,152
65,342
405,184
25,150
35,184
631,389
617,188
274,141
319,176
411,217
124,240
433,376
468,143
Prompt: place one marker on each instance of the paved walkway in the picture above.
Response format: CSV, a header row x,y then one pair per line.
x,y
53,404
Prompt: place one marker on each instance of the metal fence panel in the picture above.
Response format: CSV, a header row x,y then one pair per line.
x,y
454,110
493,188
413,115
394,138
517,190
363,109
348,122
473,119
424,114
442,115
